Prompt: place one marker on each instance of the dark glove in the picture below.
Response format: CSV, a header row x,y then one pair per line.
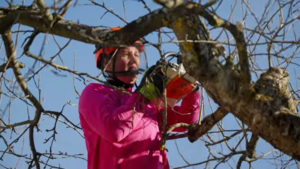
x,y
152,83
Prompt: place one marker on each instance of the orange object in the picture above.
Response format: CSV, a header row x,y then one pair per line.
x,y
178,87
179,84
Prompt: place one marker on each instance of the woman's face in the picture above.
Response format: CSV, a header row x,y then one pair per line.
x,y
126,59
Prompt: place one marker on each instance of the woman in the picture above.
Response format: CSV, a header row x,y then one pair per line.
x,y
123,131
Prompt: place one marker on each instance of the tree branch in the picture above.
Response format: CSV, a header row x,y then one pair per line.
x,y
6,66
7,126
196,131
11,55
41,4
250,149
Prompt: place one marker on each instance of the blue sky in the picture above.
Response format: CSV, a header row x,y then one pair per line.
x,y
58,90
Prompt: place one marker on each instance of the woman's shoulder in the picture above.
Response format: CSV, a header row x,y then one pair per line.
x,y
95,87
104,91
99,92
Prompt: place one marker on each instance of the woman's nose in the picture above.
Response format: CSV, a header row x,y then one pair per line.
x,y
133,58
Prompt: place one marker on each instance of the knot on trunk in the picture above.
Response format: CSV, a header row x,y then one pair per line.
x,y
272,86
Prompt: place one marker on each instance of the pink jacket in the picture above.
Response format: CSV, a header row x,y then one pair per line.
x,y
119,137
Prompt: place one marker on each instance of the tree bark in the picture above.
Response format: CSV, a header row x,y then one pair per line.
x,y
266,106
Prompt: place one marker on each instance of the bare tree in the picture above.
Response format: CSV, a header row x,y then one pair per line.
x,y
244,69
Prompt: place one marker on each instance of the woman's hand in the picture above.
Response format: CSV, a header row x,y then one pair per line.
x,y
152,83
